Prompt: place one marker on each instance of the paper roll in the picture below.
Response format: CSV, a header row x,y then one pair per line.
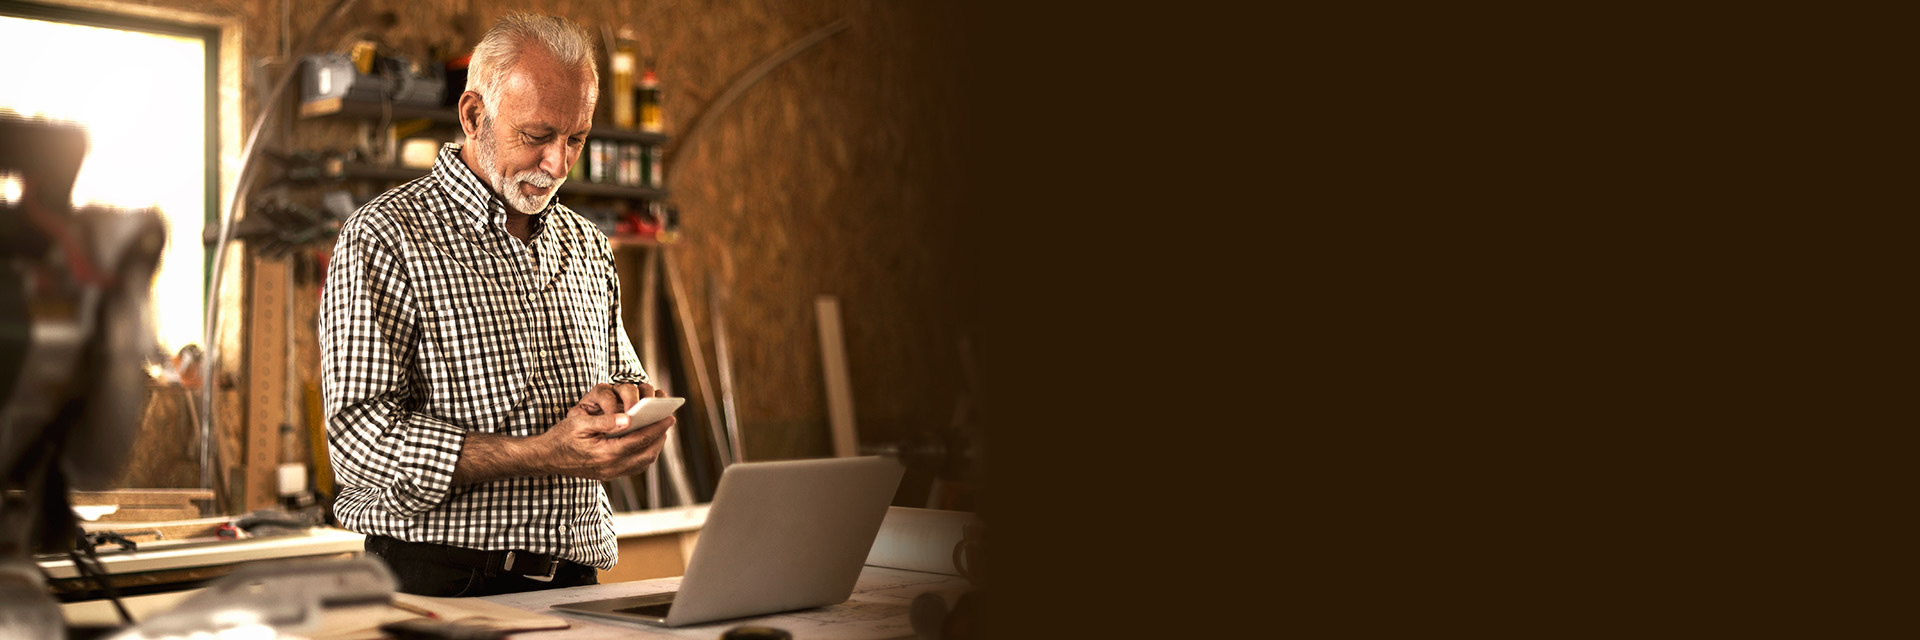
x,y
919,539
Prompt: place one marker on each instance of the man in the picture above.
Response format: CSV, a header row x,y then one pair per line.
x,y
472,355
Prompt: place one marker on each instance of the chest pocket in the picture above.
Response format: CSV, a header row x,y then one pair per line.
x,y
481,374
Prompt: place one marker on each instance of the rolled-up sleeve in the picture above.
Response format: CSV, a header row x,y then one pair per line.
x,y
400,458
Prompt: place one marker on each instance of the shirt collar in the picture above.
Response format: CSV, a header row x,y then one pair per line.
x,y
478,205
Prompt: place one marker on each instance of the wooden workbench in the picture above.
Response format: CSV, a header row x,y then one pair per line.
x,y
653,544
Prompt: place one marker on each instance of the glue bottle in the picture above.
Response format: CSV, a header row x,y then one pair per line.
x,y
650,118
623,63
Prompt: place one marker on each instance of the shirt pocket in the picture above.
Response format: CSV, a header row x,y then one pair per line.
x,y
483,375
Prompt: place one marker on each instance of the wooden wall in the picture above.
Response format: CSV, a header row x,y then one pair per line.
x,y
837,174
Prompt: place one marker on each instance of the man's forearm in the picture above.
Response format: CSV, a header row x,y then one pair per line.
x,y
487,456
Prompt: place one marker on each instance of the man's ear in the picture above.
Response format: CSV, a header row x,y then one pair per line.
x,y
470,108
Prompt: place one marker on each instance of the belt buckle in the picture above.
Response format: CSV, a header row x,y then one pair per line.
x,y
552,567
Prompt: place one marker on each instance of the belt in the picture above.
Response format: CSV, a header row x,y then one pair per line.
x,y
523,563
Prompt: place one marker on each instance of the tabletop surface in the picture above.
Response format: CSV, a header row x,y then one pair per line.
x,y
878,609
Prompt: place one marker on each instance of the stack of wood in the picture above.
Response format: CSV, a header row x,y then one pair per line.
x,y
148,514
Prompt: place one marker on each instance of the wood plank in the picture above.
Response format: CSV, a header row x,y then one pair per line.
x,y
643,332
649,347
833,363
693,353
266,383
127,497
162,529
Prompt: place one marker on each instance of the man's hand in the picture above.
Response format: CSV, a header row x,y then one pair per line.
x,y
618,397
576,446
579,446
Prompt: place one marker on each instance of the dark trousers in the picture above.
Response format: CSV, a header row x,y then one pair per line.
x,y
439,570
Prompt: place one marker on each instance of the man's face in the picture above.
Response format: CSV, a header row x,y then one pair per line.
x,y
545,112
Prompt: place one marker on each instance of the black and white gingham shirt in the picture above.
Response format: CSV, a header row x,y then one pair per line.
x,y
435,323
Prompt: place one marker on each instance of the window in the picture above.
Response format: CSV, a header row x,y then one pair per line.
x,y
143,93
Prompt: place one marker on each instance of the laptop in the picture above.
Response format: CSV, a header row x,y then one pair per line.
x,y
779,536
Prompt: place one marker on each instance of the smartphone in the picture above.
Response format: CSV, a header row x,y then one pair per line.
x,y
648,411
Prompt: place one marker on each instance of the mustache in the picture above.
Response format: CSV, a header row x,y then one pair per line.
x,y
537,178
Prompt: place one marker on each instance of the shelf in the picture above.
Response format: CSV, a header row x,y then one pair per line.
x,y
627,135
367,109
589,189
633,242
372,110
601,189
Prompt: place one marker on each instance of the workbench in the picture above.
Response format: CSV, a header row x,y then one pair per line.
x,y
906,563
879,608
653,544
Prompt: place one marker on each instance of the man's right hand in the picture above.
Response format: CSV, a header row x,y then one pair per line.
x,y
578,445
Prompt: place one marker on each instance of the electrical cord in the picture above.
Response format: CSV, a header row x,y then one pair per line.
x,y
98,573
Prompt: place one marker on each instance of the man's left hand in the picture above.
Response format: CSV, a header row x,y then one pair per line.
x,y
613,398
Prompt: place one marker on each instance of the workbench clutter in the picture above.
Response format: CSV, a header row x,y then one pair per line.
x,y
315,600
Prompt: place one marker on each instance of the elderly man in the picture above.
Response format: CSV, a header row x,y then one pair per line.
x,y
472,355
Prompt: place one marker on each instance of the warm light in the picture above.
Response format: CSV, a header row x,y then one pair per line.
x,y
142,98
9,188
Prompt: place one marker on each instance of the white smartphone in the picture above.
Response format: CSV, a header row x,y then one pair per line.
x,y
648,411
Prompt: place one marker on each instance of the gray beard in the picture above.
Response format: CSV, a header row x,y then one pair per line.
x,y
509,188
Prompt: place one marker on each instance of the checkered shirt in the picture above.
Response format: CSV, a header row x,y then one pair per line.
x,y
436,323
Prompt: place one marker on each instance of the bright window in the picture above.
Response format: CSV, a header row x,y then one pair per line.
x,y
143,98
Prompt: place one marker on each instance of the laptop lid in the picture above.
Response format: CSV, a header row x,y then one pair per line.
x,y
779,536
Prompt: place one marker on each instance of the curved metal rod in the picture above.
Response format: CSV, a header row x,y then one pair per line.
x,y
740,86
210,377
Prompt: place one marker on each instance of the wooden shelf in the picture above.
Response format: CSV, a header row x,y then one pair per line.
x,y
370,110
604,132
601,189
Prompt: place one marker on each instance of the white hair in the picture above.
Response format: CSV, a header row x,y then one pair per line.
x,y
500,50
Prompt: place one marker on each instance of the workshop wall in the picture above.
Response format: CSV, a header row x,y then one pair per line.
x,y
837,174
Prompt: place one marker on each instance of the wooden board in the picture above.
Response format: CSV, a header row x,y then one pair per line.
x,y
161,529
697,359
266,374
142,497
833,364
145,505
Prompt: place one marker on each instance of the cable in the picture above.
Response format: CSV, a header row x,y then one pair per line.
x,y
99,576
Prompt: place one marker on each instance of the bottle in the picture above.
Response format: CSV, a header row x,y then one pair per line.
x,y
623,63
656,174
597,167
650,117
630,163
362,53
646,168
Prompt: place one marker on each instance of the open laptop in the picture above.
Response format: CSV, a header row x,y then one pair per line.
x,y
779,536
